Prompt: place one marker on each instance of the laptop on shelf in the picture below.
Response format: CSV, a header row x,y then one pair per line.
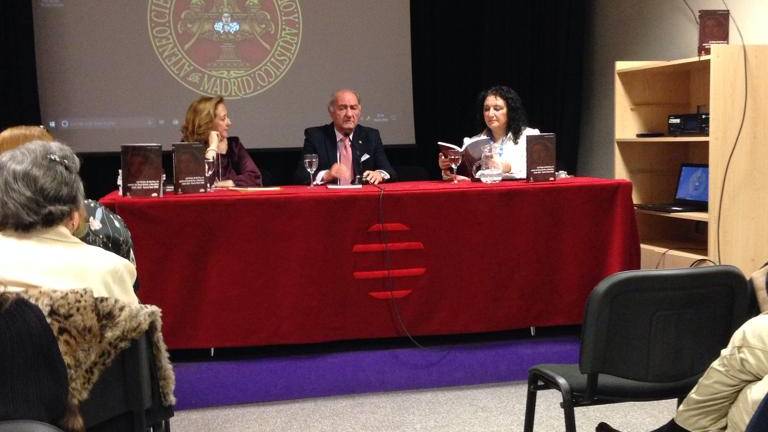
x,y
691,195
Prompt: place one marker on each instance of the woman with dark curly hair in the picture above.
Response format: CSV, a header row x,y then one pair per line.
x,y
506,124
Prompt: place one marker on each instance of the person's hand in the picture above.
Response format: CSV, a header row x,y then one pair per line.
x,y
373,177
501,164
213,141
336,171
448,176
224,184
443,162
216,142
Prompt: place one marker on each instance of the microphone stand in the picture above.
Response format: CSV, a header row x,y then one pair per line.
x,y
358,167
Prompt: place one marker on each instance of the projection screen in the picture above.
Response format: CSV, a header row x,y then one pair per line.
x,y
124,71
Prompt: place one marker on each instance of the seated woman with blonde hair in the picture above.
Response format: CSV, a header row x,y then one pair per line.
x,y
207,121
17,135
41,206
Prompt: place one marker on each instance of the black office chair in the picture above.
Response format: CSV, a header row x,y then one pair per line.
x,y
27,426
647,335
126,396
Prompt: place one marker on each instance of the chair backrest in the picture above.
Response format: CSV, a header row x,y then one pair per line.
x,y
126,395
662,325
27,426
118,366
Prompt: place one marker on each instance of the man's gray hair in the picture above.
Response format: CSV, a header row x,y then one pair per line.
x,y
39,186
333,97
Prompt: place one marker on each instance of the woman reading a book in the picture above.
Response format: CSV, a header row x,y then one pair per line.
x,y
207,121
506,125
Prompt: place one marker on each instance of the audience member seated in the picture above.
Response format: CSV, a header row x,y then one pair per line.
x,y
729,392
41,206
344,147
759,282
32,371
99,226
207,121
506,124
17,135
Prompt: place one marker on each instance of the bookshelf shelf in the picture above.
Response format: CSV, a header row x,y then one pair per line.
x,y
694,216
670,66
665,139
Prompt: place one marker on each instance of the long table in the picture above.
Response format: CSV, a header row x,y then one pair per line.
x,y
304,265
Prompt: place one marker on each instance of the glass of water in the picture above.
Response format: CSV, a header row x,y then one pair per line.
x,y
210,168
454,158
491,175
310,163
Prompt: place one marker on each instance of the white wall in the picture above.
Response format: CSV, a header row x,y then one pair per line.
x,y
643,30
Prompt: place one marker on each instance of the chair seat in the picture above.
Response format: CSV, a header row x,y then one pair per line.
x,y
610,387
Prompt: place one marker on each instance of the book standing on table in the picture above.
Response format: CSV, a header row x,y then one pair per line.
x,y
141,170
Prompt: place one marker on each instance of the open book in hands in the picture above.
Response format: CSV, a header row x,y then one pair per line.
x,y
471,152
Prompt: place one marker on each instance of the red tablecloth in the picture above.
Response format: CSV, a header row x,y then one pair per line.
x,y
301,265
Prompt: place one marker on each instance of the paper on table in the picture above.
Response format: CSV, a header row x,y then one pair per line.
x,y
255,189
349,186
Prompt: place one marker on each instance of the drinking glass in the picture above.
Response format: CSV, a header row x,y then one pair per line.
x,y
210,178
310,163
218,166
213,171
454,158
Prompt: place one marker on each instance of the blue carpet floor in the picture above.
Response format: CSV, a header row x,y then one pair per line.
x,y
262,378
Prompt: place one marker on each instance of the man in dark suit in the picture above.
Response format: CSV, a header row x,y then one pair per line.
x,y
346,151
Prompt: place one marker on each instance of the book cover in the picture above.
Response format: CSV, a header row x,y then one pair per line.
x,y
189,168
142,169
540,152
471,153
713,29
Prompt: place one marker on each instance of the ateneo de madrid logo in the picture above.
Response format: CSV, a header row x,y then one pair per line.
x,y
233,48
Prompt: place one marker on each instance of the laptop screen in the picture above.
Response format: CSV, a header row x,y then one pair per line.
x,y
693,184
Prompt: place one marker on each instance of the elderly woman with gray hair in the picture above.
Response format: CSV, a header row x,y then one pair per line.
x,y
41,204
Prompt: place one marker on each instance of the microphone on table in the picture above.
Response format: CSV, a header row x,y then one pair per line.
x,y
359,169
358,165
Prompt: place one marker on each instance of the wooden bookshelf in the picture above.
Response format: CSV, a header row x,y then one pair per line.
x,y
734,230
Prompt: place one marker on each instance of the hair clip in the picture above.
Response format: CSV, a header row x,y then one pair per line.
x,y
57,159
